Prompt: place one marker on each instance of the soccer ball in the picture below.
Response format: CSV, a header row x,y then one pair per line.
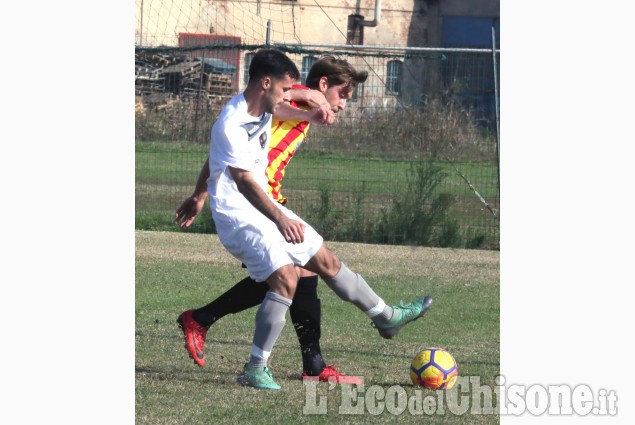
x,y
434,368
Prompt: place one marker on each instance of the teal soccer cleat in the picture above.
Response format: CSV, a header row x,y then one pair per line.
x,y
258,377
402,315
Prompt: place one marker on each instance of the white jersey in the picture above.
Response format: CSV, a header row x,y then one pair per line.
x,y
241,141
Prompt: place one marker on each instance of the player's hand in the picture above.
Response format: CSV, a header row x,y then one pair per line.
x,y
322,115
187,212
292,230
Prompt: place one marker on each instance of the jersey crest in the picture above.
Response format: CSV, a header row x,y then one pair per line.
x,y
263,139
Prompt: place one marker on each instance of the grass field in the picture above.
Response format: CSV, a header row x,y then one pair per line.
x,y
180,169
178,271
361,190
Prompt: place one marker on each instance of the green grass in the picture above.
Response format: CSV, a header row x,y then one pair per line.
x,y
312,172
358,186
178,271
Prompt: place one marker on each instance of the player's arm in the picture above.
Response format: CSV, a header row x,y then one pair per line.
x,y
321,115
193,205
313,98
320,112
286,112
292,230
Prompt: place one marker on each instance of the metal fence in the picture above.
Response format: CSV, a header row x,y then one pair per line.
x,y
413,159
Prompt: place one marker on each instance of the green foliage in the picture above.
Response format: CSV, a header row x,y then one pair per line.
x,y
358,199
439,128
323,217
337,224
172,118
159,221
475,239
450,234
360,226
147,220
419,216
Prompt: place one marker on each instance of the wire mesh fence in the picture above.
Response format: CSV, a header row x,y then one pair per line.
x,y
413,158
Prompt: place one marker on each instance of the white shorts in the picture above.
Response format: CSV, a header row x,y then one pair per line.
x,y
256,241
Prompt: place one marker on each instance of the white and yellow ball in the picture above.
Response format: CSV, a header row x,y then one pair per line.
x,y
434,368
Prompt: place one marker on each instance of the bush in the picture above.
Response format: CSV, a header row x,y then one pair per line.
x,y
157,221
172,118
440,128
419,216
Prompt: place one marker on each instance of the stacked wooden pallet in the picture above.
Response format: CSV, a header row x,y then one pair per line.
x,y
187,79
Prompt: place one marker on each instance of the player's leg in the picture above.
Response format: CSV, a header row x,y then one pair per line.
x,y
243,295
351,287
306,317
195,323
305,313
270,319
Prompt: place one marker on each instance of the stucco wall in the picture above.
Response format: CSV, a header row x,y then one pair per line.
x,y
401,23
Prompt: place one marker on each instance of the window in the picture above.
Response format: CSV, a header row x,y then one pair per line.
x,y
248,58
355,30
393,77
307,63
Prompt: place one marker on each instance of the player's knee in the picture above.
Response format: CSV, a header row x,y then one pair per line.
x,y
283,282
287,288
332,264
326,263
287,291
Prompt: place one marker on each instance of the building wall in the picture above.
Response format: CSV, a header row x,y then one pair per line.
x,y
482,8
158,22
402,22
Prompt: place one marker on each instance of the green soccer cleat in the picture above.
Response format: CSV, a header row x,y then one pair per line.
x,y
402,315
258,377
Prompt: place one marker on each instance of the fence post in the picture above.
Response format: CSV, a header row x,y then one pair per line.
x,y
498,164
198,97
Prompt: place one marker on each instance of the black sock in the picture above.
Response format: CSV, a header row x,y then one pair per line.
x,y
245,294
306,317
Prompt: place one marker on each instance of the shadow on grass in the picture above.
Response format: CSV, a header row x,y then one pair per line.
x,y
247,343
191,375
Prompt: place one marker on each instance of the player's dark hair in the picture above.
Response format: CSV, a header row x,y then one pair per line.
x,y
337,71
272,63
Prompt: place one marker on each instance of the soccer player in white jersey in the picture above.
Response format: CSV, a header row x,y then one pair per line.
x,y
266,237
329,84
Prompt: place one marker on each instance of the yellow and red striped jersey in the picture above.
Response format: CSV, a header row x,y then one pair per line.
x,y
286,137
